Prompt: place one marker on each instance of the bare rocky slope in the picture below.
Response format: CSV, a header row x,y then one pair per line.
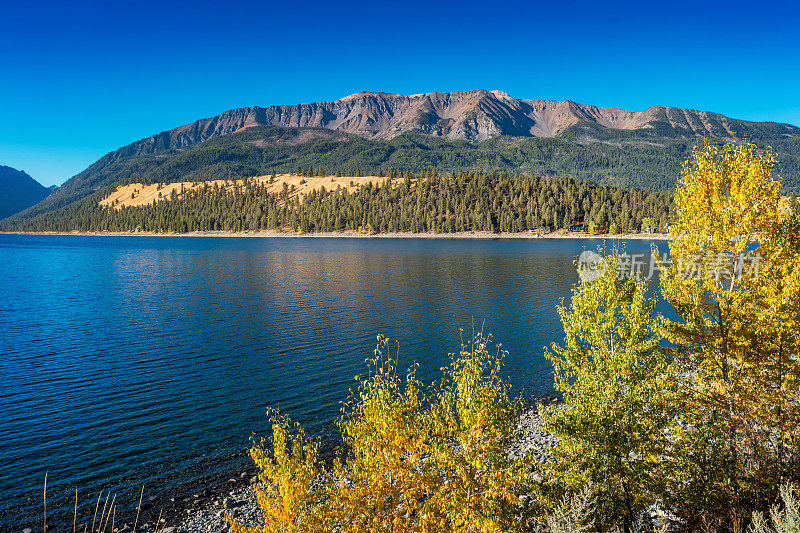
x,y
474,115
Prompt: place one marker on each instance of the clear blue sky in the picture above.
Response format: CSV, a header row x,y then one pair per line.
x,y
80,79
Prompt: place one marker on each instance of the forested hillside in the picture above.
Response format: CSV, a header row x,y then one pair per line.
x,y
404,202
626,149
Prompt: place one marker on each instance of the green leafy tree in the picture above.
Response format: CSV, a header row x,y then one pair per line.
x,y
619,399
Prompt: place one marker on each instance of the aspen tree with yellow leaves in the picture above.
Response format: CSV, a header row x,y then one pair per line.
x,y
288,468
733,280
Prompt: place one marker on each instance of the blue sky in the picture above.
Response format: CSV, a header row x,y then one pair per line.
x,y
80,79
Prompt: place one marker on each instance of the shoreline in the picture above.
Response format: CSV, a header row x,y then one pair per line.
x,y
238,497
202,508
354,235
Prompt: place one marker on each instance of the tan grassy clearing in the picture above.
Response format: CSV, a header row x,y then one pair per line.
x,y
138,194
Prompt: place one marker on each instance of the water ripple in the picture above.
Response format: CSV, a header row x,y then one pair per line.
x,y
152,360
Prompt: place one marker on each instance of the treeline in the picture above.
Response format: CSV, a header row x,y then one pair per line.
x,y
428,202
645,158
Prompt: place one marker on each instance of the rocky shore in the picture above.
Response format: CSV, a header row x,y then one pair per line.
x,y
240,501
356,235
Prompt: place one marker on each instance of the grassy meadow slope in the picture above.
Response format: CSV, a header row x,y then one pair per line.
x,y
143,195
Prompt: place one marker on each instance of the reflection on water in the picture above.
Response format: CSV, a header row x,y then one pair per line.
x,y
153,360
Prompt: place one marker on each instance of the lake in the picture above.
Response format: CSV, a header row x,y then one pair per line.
x,y
152,360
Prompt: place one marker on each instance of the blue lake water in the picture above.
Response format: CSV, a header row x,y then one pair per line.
x,y
152,360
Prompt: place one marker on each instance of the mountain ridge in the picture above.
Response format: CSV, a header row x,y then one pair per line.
x,y
474,115
18,191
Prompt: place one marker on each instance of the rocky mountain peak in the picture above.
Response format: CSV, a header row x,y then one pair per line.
x,y
473,115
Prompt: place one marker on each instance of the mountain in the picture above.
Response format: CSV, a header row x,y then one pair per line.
x,y
18,191
474,115
476,129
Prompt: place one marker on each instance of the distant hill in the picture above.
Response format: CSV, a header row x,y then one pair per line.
x,y
19,191
370,132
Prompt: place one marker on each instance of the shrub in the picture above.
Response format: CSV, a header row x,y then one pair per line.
x,y
289,501
574,514
786,520
415,459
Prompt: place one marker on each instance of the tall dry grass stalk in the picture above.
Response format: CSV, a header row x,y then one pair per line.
x,y
45,502
107,516
104,523
103,512
138,508
96,507
159,527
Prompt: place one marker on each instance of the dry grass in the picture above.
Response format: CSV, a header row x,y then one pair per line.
x,y
106,521
138,194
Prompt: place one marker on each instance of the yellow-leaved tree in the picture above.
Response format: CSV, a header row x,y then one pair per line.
x,y
733,280
381,484
414,459
288,468
473,429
